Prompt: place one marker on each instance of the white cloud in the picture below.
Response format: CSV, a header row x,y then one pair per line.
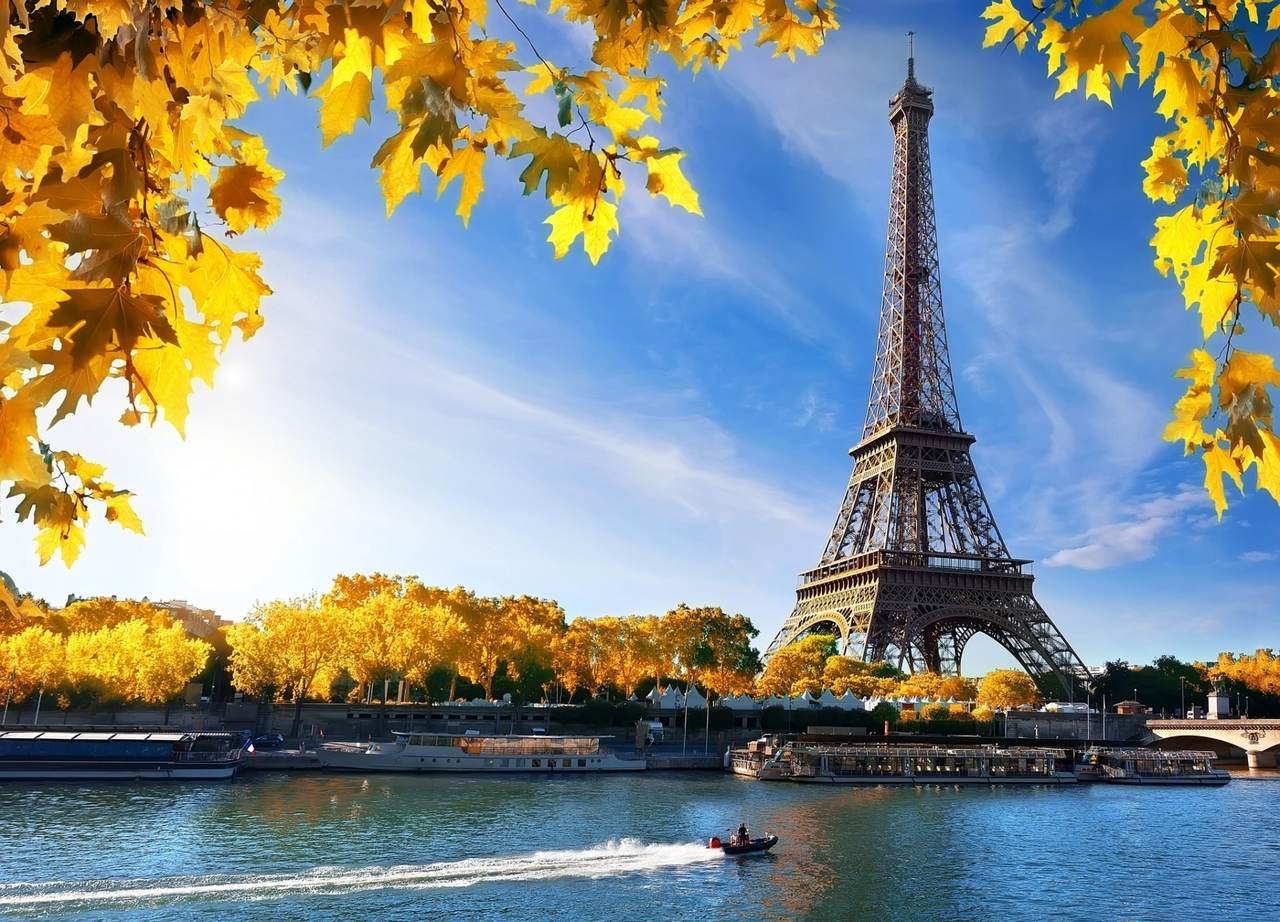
x,y
1133,537
687,245
1066,143
815,413
1258,556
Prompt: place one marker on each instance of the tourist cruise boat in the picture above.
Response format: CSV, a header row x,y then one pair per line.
x,y
750,759
106,754
440,752
881,764
1150,766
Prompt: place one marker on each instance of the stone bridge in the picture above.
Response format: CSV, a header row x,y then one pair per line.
x,y
1258,740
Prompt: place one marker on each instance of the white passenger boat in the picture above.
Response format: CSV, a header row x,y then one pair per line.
x,y
438,752
1151,766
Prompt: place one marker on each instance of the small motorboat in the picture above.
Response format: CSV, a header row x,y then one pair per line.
x,y
733,846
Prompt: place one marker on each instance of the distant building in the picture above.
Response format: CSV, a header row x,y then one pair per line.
x,y
1132,707
198,622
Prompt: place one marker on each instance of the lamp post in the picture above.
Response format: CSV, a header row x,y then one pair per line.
x,y
1182,689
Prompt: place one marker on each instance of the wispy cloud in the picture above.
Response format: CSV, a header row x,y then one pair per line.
x,y
815,413
685,245
1134,536
1067,136
1259,556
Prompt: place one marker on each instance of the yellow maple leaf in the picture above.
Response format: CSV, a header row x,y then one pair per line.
x,y
1169,35
121,512
243,195
593,221
19,459
1218,464
349,90
1188,412
1269,464
466,162
1166,174
1245,370
401,169
1008,21
1201,370
1093,49
1180,236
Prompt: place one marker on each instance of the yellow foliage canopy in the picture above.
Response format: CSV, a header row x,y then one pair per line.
x,y
114,112
1212,69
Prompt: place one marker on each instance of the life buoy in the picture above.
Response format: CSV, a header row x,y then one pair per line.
x,y
714,843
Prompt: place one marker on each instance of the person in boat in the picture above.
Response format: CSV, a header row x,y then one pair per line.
x,y
743,836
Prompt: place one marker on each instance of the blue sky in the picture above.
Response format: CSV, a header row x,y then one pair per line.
x,y
672,425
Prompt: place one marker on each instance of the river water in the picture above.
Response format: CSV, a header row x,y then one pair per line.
x,y
626,847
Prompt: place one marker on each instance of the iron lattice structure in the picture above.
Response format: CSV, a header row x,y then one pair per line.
x,y
915,565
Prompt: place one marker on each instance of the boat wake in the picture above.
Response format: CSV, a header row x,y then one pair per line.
x,y
626,856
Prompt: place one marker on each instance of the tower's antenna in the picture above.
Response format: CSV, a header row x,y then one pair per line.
x,y
911,56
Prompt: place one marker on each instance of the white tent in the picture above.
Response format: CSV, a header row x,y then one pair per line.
x,y
739,703
671,698
804,700
654,696
850,702
774,701
828,700
696,699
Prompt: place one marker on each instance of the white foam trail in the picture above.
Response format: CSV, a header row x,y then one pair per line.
x,y
628,856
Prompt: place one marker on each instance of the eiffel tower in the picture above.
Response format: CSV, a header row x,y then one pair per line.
x,y
915,565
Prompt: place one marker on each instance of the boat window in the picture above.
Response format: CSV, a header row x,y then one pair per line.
x,y
582,763
566,763
537,763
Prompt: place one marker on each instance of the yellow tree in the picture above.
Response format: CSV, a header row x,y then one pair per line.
x,y
303,638
1260,671
1007,688
630,656
580,661
920,685
958,687
91,614
33,658
370,634
797,667
659,647
114,112
254,670
1211,66
136,661
432,637
533,630
845,673
488,640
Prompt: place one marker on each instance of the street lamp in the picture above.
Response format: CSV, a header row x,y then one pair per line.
x,y
1182,688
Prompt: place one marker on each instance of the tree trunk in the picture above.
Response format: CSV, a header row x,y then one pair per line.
x,y
297,717
706,739
684,742
453,685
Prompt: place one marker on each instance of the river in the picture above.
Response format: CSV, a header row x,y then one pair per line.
x,y
631,847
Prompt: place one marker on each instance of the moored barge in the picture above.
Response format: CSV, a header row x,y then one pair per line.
x,y
39,755
1151,766
890,764
441,752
